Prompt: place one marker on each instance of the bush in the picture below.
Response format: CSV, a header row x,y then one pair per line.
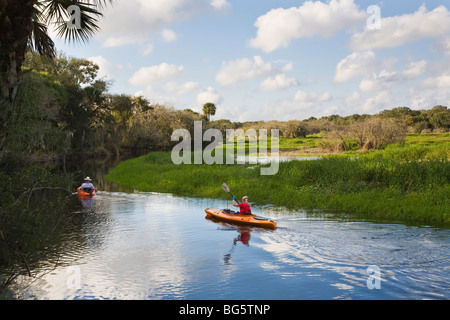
x,y
371,133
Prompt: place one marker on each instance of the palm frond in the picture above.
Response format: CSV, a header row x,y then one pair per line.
x,y
40,41
88,25
55,12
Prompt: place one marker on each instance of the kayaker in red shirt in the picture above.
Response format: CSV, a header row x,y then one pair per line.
x,y
244,206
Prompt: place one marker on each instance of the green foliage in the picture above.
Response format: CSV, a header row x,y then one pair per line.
x,y
436,118
35,123
33,216
385,187
416,147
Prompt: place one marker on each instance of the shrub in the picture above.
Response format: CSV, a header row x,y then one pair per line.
x,y
370,133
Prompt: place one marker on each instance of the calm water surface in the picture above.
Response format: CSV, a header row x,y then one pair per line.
x,y
158,246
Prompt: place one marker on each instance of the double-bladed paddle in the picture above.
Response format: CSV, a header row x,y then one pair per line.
x,y
226,189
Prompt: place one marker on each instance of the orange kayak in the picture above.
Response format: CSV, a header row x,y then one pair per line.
x,y
82,193
232,217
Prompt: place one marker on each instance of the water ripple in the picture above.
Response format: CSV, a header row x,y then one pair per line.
x,y
157,246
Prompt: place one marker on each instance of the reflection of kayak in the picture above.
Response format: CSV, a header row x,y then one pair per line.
x,y
82,193
232,217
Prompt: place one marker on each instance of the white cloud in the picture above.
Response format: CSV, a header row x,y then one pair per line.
x,y
279,82
232,72
220,4
398,30
117,41
415,69
387,79
312,97
168,35
378,82
301,106
132,21
156,73
287,67
365,65
209,95
148,49
173,87
279,26
156,97
106,68
357,64
443,45
442,81
353,99
426,98
382,100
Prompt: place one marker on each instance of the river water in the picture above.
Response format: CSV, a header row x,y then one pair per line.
x,y
158,246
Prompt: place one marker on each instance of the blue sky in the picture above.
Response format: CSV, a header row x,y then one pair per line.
x,y
275,60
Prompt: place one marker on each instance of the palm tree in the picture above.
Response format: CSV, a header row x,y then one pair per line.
x,y
209,109
24,25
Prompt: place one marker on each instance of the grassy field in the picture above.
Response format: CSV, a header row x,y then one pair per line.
x,y
409,182
416,147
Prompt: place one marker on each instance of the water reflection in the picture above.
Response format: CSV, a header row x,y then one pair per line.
x,y
268,159
341,252
87,202
157,246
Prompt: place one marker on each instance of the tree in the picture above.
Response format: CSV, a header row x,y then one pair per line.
x,y
36,123
24,25
440,117
140,104
84,112
209,109
294,129
122,108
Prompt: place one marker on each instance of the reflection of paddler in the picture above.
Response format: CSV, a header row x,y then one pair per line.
x,y
87,202
244,236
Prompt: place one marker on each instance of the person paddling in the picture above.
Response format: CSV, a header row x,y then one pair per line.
x,y
87,186
244,206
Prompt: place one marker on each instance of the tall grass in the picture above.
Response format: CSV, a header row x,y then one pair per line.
x,y
415,191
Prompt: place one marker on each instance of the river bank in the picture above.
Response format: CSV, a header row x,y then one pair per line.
x,y
414,191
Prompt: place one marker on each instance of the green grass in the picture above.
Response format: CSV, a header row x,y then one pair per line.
x,y
284,144
431,146
295,144
413,191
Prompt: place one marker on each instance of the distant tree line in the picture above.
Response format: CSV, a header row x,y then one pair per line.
x,y
62,108
358,131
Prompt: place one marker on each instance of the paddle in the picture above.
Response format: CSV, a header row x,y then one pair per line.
x,y
226,189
